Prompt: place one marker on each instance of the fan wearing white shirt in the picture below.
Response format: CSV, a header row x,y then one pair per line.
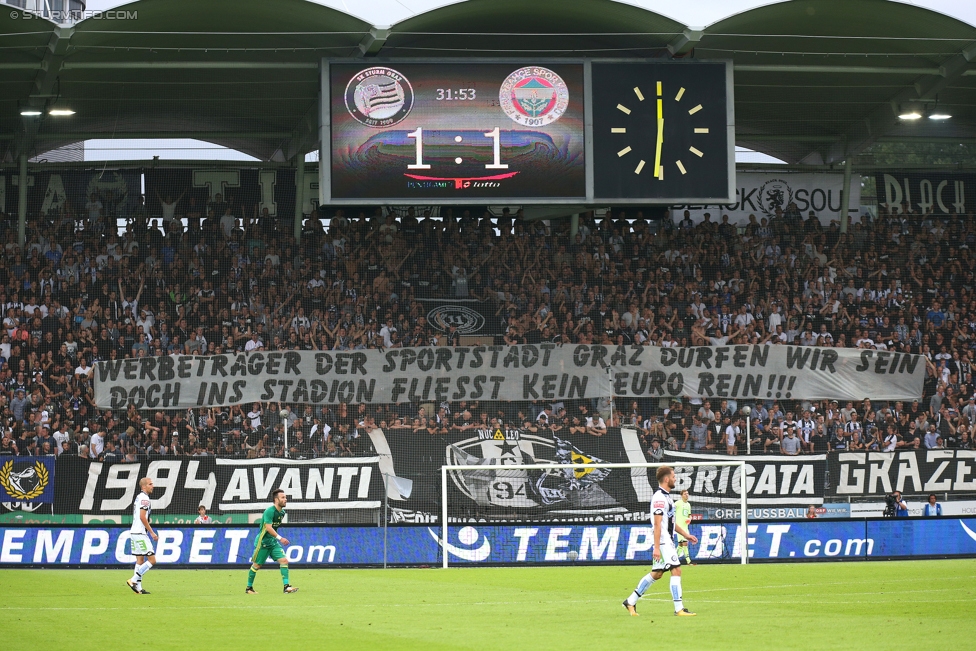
x,y
203,518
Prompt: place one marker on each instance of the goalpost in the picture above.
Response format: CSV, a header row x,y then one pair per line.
x,y
642,481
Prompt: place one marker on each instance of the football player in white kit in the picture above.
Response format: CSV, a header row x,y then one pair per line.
x,y
665,553
139,536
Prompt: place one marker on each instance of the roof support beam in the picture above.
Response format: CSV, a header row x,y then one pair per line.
x,y
145,135
864,70
303,138
685,42
757,137
881,120
44,82
938,140
195,65
373,42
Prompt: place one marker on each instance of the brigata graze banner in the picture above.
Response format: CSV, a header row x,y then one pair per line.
x,y
913,471
479,543
527,372
222,485
770,480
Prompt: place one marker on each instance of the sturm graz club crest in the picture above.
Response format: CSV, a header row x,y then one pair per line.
x,y
490,483
534,96
24,482
467,321
773,194
379,97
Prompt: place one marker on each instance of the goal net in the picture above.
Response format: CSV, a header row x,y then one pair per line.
x,y
586,495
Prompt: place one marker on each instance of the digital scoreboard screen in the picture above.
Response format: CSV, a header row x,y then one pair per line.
x,y
418,131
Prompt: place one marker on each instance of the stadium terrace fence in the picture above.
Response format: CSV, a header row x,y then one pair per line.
x,y
318,546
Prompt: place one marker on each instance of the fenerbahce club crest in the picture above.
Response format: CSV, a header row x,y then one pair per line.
x,y
24,484
490,483
534,96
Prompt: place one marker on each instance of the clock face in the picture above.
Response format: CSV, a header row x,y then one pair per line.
x,y
660,132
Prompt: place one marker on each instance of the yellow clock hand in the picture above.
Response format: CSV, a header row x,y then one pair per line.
x,y
657,152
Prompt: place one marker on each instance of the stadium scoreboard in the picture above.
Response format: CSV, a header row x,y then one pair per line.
x,y
547,132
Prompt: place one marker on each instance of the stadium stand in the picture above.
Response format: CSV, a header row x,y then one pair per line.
x,y
79,292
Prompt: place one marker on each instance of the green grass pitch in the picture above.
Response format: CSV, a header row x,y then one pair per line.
x,y
876,605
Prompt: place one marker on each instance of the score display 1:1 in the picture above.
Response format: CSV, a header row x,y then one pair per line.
x,y
495,134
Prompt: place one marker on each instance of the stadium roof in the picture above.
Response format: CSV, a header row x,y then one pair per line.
x,y
815,80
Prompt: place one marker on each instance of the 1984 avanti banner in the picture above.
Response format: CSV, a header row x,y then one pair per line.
x,y
526,372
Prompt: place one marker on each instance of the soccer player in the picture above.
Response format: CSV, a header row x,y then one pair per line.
x,y
665,555
683,518
269,543
139,536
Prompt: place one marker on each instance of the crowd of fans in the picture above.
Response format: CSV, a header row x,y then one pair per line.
x,y
190,282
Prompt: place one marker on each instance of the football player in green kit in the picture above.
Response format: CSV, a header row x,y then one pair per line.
x,y
683,517
269,543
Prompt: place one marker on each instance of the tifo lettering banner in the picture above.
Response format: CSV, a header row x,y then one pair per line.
x,y
27,479
241,190
222,485
914,471
761,193
770,480
527,372
312,485
47,192
943,193
313,546
88,487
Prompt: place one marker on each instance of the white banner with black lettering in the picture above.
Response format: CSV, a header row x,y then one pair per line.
x,y
910,471
761,193
770,480
526,372
311,485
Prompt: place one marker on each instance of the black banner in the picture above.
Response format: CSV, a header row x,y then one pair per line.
x,y
470,317
944,193
770,480
876,474
239,189
490,490
116,191
224,486
88,487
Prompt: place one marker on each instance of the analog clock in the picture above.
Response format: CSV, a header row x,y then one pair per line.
x,y
661,132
